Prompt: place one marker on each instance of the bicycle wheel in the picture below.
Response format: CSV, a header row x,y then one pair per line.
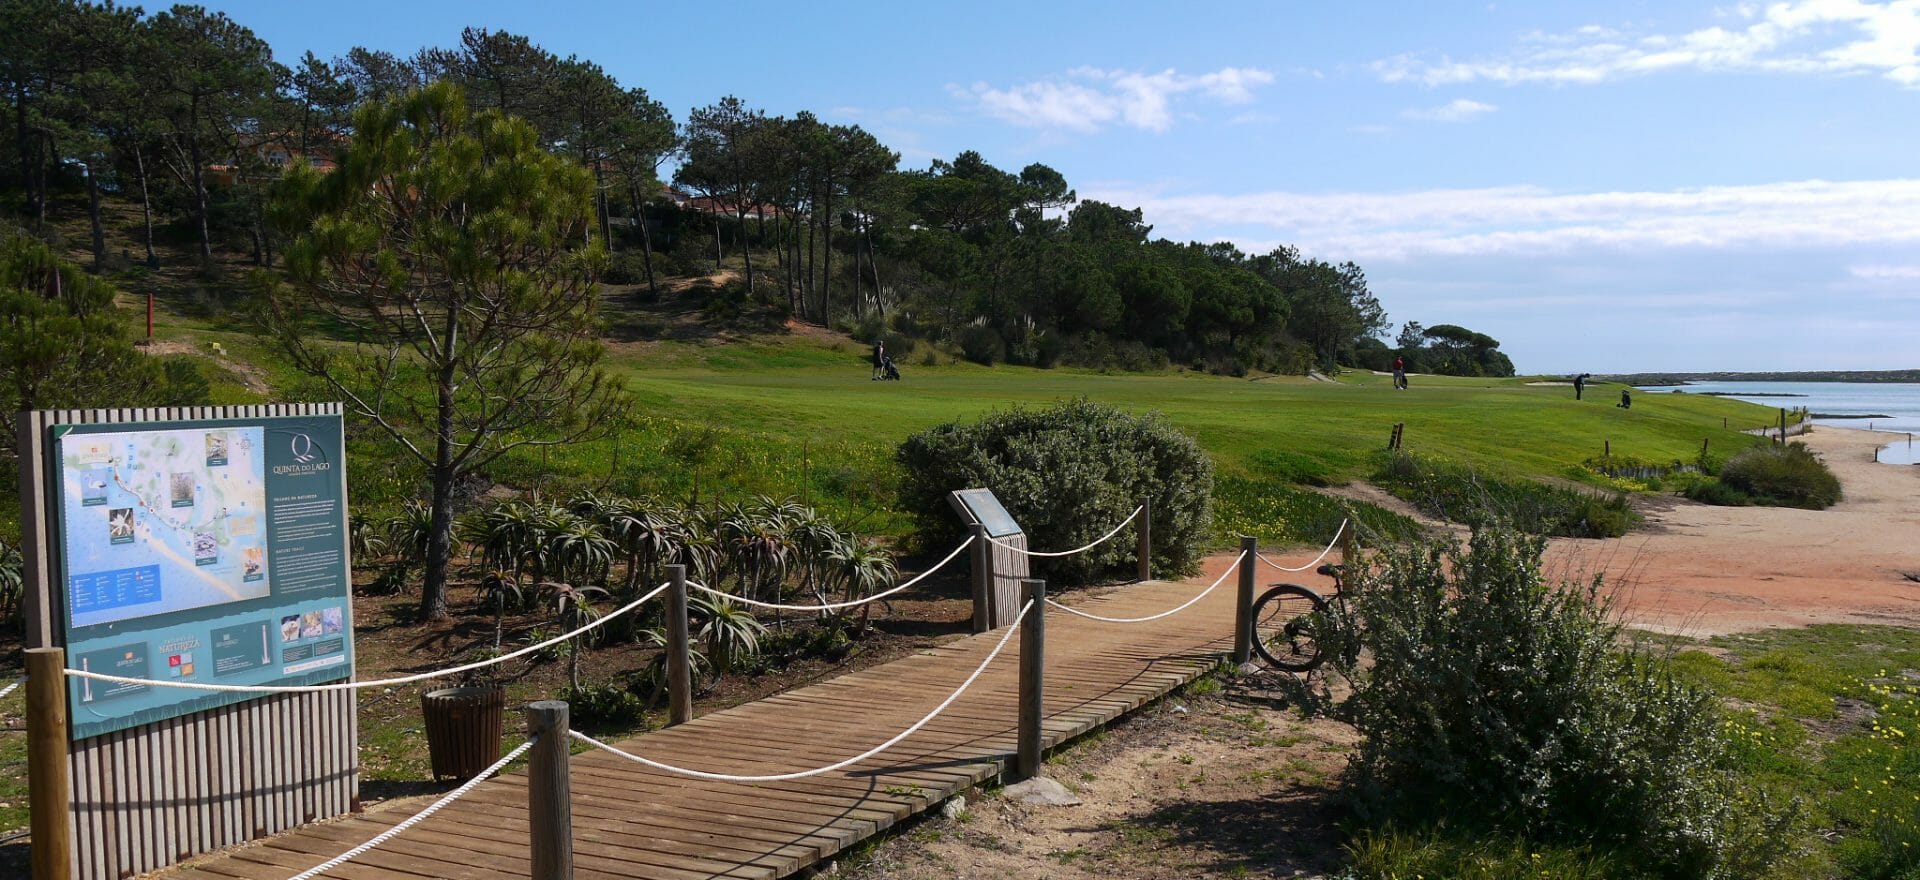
x,y
1285,623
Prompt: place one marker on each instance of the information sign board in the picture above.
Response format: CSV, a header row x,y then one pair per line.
x,y
987,511
205,551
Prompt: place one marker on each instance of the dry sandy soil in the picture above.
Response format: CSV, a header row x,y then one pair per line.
x,y
1193,787
1701,570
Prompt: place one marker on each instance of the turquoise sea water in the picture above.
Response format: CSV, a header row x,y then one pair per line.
x,y
1894,408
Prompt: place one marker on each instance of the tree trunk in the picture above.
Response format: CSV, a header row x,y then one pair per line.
x,y
433,588
746,248
600,205
826,266
93,219
807,290
646,238
200,201
872,263
718,257
146,205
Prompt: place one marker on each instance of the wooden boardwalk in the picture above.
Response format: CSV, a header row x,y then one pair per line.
x,y
631,821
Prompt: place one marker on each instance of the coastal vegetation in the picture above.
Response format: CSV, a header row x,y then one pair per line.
x,y
1501,706
1067,474
307,232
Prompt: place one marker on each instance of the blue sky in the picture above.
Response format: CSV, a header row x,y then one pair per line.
x,y
1601,186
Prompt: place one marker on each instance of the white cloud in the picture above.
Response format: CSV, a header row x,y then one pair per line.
x,y
1801,36
1088,98
1457,110
1527,220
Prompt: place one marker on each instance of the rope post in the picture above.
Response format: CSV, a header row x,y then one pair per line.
x,y
679,653
1033,642
1145,553
549,800
47,786
982,579
1243,605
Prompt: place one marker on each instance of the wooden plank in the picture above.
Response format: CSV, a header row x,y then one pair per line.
x,y
632,821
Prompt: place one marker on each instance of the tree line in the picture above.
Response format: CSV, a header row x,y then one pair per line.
x,y
187,113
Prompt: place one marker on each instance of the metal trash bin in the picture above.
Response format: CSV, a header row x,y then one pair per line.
x,y
463,729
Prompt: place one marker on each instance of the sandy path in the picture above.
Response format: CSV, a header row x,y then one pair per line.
x,y
1701,570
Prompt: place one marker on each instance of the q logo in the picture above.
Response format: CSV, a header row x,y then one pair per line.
x,y
302,446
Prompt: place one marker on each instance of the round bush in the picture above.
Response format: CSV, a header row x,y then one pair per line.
x,y
1496,702
1067,473
1788,476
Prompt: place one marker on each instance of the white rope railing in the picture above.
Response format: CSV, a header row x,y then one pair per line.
x,y
415,819
1316,560
384,682
780,777
835,606
1097,541
1231,568
12,687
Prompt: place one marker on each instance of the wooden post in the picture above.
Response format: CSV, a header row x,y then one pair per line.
x,y
1349,547
1144,554
549,801
1608,448
1243,606
1033,646
149,317
48,800
1703,447
982,579
679,652
1783,425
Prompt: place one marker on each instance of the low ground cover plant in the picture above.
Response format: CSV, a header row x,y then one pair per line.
x,y
1467,495
1784,476
1067,474
1276,511
1502,706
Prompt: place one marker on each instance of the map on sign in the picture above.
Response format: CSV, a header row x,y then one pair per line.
x,y
163,521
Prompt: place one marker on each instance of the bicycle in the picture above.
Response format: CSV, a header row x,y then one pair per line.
x,y
1288,621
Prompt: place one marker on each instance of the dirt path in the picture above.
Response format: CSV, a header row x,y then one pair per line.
x,y
1701,570
1193,787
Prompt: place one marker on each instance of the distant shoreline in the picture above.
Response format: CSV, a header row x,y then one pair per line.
x,y
1645,379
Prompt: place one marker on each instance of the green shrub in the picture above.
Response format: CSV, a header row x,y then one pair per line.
x,y
982,345
1710,490
625,267
1067,474
1507,705
1787,476
604,707
1468,496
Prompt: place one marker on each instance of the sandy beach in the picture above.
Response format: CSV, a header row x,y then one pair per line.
x,y
1699,570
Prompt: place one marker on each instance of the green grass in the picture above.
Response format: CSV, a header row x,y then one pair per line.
x,y
1829,716
796,416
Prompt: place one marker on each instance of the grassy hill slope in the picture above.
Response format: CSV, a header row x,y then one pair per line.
x,y
794,413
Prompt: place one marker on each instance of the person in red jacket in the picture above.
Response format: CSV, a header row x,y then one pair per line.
x,y
1400,374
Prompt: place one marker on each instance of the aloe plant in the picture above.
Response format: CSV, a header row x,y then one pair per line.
x,y
732,633
573,607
